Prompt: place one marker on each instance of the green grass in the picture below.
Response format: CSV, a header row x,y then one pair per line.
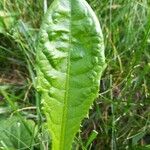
x,y
121,114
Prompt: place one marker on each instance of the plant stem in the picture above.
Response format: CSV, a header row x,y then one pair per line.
x,y
45,6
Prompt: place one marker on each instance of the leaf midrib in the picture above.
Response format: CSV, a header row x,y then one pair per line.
x,y
64,119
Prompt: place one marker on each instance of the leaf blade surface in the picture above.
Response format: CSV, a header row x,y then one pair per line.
x,y
70,60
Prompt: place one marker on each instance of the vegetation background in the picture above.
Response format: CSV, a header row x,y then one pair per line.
x,y
120,118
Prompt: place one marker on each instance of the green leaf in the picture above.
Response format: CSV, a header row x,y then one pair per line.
x,y
7,20
137,137
14,134
70,61
91,138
